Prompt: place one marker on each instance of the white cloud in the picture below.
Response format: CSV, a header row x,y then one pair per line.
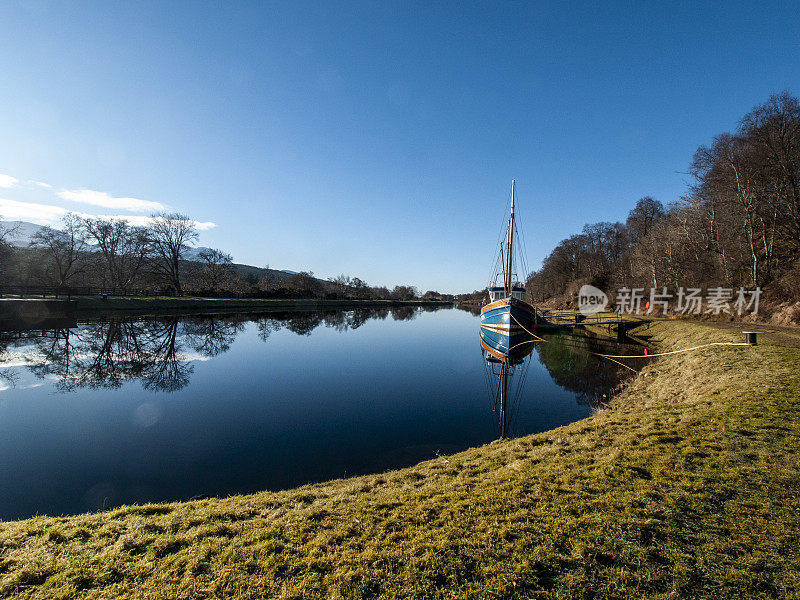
x,y
204,225
142,221
41,214
107,201
49,214
7,181
42,184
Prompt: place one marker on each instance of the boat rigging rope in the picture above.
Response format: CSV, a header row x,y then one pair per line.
x,y
523,250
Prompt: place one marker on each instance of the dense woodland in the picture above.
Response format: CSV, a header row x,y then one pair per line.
x,y
737,226
117,257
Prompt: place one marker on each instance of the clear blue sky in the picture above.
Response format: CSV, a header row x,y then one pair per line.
x,y
375,139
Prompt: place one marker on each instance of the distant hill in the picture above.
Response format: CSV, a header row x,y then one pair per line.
x,y
22,233
255,273
194,252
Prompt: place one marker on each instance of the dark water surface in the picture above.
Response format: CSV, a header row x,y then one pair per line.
x,y
134,410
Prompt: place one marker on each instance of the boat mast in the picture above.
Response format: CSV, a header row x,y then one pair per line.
x,y
504,398
510,247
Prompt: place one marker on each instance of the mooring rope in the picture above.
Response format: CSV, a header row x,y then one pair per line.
x,y
528,331
537,338
675,351
614,361
613,356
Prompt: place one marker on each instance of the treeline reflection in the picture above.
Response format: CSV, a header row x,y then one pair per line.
x,y
159,352
572,361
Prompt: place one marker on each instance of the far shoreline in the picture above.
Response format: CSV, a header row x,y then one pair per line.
x,y
37,310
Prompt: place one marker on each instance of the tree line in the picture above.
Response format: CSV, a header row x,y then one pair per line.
x,y
737,226
112,254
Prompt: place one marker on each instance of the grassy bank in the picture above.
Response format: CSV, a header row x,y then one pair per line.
x,y
688,487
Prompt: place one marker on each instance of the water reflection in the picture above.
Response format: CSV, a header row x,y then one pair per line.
x,y
171,407
507,362
160,352
572,358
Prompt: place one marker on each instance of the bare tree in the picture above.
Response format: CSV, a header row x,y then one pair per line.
x,y
341,283
5,248
643,217
66,247
6,230
216,271
404,292
170,236
304,284
124,249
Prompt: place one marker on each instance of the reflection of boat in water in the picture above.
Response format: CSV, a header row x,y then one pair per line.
x,y
510,348
503,362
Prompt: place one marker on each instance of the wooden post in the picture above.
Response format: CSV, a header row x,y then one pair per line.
x,y
751,337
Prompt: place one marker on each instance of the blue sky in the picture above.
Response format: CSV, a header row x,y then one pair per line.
x,y
375,139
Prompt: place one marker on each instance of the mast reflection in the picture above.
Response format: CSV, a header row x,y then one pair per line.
x,y
507,358
573,360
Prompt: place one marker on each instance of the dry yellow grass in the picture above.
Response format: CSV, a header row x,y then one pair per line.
x,y
687,488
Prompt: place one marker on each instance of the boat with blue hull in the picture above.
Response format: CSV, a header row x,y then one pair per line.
x,y
507,315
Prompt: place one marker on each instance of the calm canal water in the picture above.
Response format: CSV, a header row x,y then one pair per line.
x,y
133,410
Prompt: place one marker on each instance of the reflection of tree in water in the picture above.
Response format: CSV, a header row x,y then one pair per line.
x,y
7,378
158,351
353,319
404,313
108,353
593,378
305,322
166,367
267,326
212,336
434,307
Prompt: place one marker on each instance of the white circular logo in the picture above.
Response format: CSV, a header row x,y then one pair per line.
x,y
591,300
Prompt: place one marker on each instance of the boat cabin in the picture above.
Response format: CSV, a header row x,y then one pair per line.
x,y
498,293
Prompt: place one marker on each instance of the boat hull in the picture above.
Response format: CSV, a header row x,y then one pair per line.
x,y
507,321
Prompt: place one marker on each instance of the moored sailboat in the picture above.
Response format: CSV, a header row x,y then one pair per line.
x,y
507,317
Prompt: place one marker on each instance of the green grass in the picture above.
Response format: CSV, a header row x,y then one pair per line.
x,y
689,487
